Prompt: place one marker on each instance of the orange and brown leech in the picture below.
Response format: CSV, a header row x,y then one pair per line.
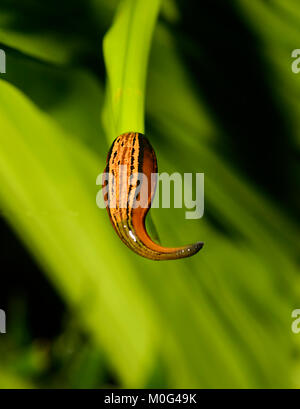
x,y
134,151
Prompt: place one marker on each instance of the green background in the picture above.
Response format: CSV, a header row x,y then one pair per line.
x,y
216,95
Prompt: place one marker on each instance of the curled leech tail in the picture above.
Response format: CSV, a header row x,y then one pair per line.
x,y
132,158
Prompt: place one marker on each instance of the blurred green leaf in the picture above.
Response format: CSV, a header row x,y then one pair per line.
x,y
38,168
126,51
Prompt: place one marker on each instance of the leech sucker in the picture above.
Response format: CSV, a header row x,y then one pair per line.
x,y
129,183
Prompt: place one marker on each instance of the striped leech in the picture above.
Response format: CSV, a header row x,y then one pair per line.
x,y
128,203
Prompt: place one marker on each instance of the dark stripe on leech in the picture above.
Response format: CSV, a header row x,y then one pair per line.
x,y
114,157
111,170
112,216
126,153
110,151
128,209
141,153
140,163
130,187
131,169
138,242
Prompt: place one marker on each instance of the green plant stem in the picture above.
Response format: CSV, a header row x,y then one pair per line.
x,y
126,52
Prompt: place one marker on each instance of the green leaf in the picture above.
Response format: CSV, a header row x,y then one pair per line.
x,y
126,51
51,204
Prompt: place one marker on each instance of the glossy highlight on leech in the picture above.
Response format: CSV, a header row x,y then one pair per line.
x,y
129,155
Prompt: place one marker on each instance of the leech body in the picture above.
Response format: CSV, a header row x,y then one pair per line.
x,y
129,155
